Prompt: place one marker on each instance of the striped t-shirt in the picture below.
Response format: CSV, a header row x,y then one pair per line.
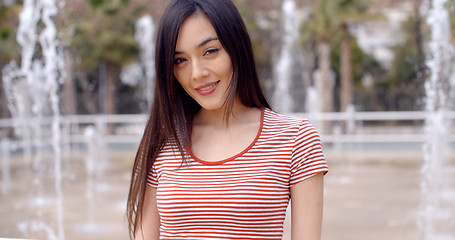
x,y
242,197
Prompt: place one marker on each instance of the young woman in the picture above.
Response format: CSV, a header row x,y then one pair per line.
x,y
215,162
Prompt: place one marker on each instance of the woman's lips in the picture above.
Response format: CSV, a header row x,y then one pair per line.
x,y
207,88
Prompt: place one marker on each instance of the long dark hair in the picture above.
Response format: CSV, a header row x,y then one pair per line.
x,y
173,109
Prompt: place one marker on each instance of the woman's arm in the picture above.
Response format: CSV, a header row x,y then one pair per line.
x,y
149,227
306,208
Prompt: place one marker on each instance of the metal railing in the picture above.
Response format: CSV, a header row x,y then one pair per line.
x,y
346,127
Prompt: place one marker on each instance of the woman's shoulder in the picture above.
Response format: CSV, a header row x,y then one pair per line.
x,y
287,122
284,119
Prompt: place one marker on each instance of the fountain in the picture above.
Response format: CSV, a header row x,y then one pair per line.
x,y
141,74
95,146
6,178
282,98
36,82
312,105
145,36
436,215
32,93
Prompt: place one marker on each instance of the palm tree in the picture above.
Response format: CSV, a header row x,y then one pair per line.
x,y
329,25
351,11
320,28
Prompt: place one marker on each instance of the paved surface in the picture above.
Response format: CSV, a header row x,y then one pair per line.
x,y
371,201
94,214
367,196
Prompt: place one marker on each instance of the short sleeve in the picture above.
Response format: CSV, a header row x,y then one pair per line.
x,y
152,178
307,157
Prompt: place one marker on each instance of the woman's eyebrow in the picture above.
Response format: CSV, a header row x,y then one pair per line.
x,y
207,41
201,44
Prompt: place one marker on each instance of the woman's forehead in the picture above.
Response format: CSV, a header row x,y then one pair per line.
x,y
195,31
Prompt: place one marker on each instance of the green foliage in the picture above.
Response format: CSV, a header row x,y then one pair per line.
x,y
5,33
9,49
328,17
404,66
261,44
403,84
96,3
105,33
362,63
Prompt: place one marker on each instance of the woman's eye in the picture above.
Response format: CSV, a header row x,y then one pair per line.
x,y
211,51
178,61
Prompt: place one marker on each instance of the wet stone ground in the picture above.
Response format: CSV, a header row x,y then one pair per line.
x,y
367,196
93,204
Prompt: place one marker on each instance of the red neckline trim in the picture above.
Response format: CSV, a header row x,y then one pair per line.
x,y
237,155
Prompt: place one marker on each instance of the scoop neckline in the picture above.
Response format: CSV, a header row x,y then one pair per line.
x,y
219,162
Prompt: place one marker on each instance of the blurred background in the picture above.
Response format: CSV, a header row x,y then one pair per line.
x,y
376,78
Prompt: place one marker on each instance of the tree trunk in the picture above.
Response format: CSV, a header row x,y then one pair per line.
x,y
4,113
69,92
109,103
346,91
346,71
422,73
4,102
324,81
87,99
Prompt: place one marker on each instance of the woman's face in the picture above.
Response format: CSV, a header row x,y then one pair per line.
x,y
202,66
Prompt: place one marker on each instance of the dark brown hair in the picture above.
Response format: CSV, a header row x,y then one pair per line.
x,y
173,109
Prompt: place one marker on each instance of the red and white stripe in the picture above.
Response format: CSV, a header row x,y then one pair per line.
x,y
243,197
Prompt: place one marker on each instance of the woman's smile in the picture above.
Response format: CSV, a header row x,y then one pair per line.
x,y
208,88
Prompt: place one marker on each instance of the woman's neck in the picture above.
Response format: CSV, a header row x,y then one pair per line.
x,y
217,118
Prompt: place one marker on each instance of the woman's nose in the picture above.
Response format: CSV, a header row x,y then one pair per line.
x,y
198,70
